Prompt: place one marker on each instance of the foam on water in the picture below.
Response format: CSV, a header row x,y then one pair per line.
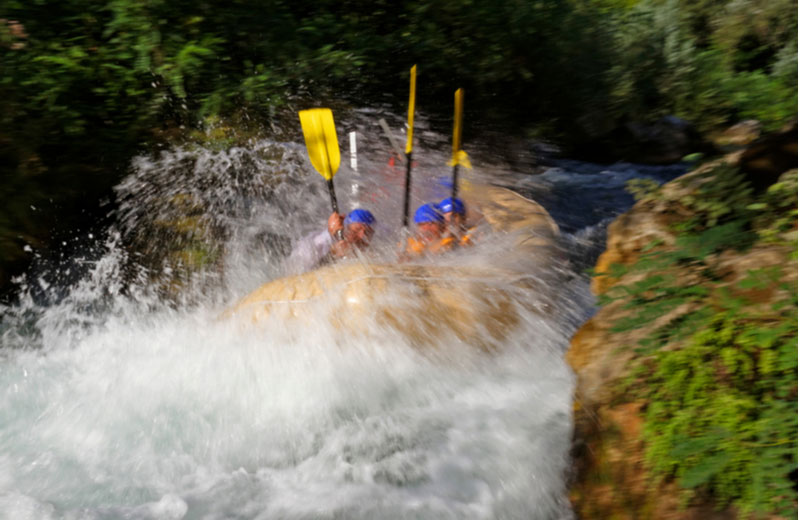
x,y
166,414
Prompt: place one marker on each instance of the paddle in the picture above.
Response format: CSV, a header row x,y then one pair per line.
x,y
457,139
388,133
353,152
322,144
409,142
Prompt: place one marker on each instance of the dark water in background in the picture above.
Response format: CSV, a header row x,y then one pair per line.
x,y
116,402
584,198
580,195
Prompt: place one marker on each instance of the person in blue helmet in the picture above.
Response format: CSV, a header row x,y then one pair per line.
x,y
455,217
429,234
320,248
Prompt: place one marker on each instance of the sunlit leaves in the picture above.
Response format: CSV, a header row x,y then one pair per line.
x,y
720,376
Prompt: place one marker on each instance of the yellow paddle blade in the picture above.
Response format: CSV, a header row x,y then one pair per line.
x,y
412,97
321,141
457,124
461,159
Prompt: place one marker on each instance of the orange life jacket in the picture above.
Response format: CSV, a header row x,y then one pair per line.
x,y
464,240
416,247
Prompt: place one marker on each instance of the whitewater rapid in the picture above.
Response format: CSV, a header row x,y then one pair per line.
x,y
173,414
121,400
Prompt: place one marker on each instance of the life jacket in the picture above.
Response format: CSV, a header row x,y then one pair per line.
x,y
465,240
416,247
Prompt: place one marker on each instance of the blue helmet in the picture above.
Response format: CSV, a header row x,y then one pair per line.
x,y
427,213
453,204
359,216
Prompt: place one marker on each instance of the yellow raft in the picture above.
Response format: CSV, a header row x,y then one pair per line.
x,y
425,303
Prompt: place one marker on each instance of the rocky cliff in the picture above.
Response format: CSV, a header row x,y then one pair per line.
x,y
686,398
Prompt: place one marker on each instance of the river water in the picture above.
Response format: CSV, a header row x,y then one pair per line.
x,y
124,395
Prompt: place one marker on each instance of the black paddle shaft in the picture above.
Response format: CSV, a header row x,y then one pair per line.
x,y
407,199
335,205
455,181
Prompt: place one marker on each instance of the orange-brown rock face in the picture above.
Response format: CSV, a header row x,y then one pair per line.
x,y
611,479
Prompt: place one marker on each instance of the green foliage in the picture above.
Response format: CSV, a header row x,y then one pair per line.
x,y
718,366
722,196
128,61
724,418
777,211
642,189
86,84
709,62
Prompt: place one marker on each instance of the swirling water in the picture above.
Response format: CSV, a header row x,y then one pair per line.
x,y
122,396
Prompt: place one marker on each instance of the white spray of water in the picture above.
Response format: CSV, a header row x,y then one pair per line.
x,y
115,403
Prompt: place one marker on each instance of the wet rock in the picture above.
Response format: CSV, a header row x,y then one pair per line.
x,y
739,135
627,236
610,478
767,158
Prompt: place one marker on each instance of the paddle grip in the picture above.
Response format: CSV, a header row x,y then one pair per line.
x,y
335,205
407,198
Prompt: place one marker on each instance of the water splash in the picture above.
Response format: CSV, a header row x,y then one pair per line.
x,y
157,414
125,396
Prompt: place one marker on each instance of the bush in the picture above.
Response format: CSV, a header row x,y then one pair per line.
x,y
720,379
708,62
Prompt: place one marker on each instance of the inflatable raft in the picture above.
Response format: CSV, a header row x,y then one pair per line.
x,y
480,305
